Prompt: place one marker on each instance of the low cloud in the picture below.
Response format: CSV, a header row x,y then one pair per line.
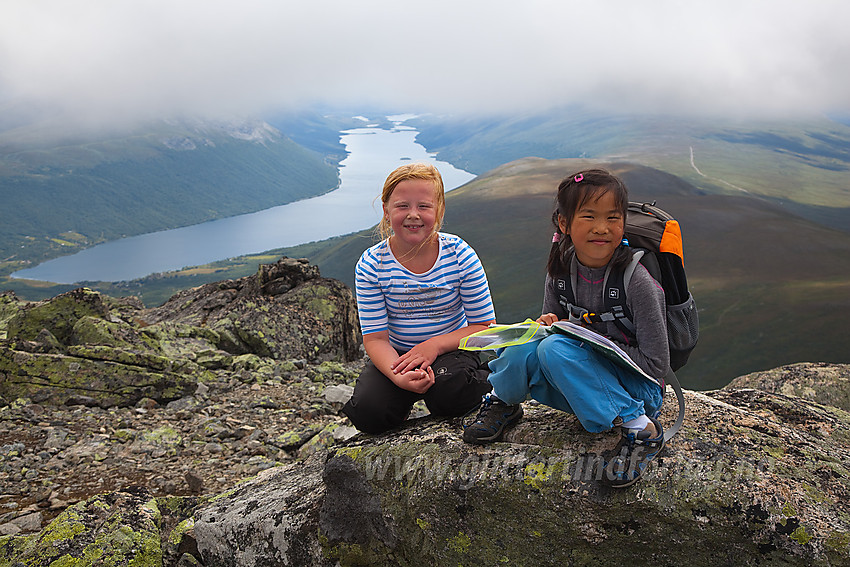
x,y
102,59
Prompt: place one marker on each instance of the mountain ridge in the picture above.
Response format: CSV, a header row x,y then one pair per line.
x,y
800,163
67,194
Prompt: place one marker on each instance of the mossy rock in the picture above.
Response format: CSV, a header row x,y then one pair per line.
x,y
56,378
58,315
10,305
182,341
117,529
421,496
285,311
298,437
818,382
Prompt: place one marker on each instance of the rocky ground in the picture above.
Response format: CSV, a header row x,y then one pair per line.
x,y
226,380
204,444
222,381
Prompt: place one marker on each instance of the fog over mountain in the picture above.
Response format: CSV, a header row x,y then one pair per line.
x,y
101,61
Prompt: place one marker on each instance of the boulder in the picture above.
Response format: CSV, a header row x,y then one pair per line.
x,y
58,315
819,382
284,311
10,306
753,478
83,345
107,377
120,529
128,528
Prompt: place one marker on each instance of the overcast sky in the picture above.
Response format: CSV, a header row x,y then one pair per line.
x,y
160,57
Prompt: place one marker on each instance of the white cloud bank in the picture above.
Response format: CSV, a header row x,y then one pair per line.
x,y
147,58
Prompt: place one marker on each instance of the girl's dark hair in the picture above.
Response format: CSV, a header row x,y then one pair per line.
x,y
573,192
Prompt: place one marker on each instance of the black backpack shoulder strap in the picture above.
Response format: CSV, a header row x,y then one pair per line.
x,y
615,291
567,294
573,279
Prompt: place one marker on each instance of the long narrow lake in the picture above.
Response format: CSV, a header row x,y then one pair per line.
x,y
372,153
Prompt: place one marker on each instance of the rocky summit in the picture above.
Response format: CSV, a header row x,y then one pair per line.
x,y
99,394
206,432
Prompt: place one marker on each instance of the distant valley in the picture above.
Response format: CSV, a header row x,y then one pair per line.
x,y
803,165
764,210
65,192
771,288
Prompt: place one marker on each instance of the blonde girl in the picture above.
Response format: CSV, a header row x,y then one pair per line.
x,y
419,291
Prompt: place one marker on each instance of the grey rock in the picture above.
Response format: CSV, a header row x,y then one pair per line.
x,y
821,382
339,393
730,485
285,311
29,522
271,520
83,348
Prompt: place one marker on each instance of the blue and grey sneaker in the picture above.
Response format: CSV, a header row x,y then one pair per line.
x,y
632,456
493,417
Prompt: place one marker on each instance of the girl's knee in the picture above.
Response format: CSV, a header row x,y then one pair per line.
x,y
653,401
372,417
512,358
562,355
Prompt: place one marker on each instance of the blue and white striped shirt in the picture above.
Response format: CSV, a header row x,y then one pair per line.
x,y
416,307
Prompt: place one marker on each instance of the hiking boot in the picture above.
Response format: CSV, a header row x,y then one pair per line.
x,y
632,455
493,417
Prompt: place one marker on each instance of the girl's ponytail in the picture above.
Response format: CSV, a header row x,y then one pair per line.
x,y
557,254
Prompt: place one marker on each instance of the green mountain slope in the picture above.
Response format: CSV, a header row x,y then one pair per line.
x,y
61,194
771,288
802,164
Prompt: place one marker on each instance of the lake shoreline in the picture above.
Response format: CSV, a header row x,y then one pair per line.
x,y
372,152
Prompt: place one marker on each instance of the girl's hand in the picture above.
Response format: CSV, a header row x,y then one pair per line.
x,y
419,357
418,380
547,319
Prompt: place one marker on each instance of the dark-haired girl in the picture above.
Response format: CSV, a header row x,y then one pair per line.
x,y
565,373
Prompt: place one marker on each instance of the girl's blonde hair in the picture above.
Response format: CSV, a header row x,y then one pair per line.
x,y
424,171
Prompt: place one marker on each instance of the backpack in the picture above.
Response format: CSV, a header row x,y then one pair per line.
x,y
657,240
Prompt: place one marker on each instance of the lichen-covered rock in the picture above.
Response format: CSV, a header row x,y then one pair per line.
x,y
270,520
285,311
820,382
83,345
111,377
753,478
118,529
10,305
58,315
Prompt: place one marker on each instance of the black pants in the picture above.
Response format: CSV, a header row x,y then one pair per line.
x,y
379,405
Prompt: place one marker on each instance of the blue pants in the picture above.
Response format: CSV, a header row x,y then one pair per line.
x,y
568,375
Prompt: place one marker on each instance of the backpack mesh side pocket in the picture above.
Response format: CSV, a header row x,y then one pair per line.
x,y
682,331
